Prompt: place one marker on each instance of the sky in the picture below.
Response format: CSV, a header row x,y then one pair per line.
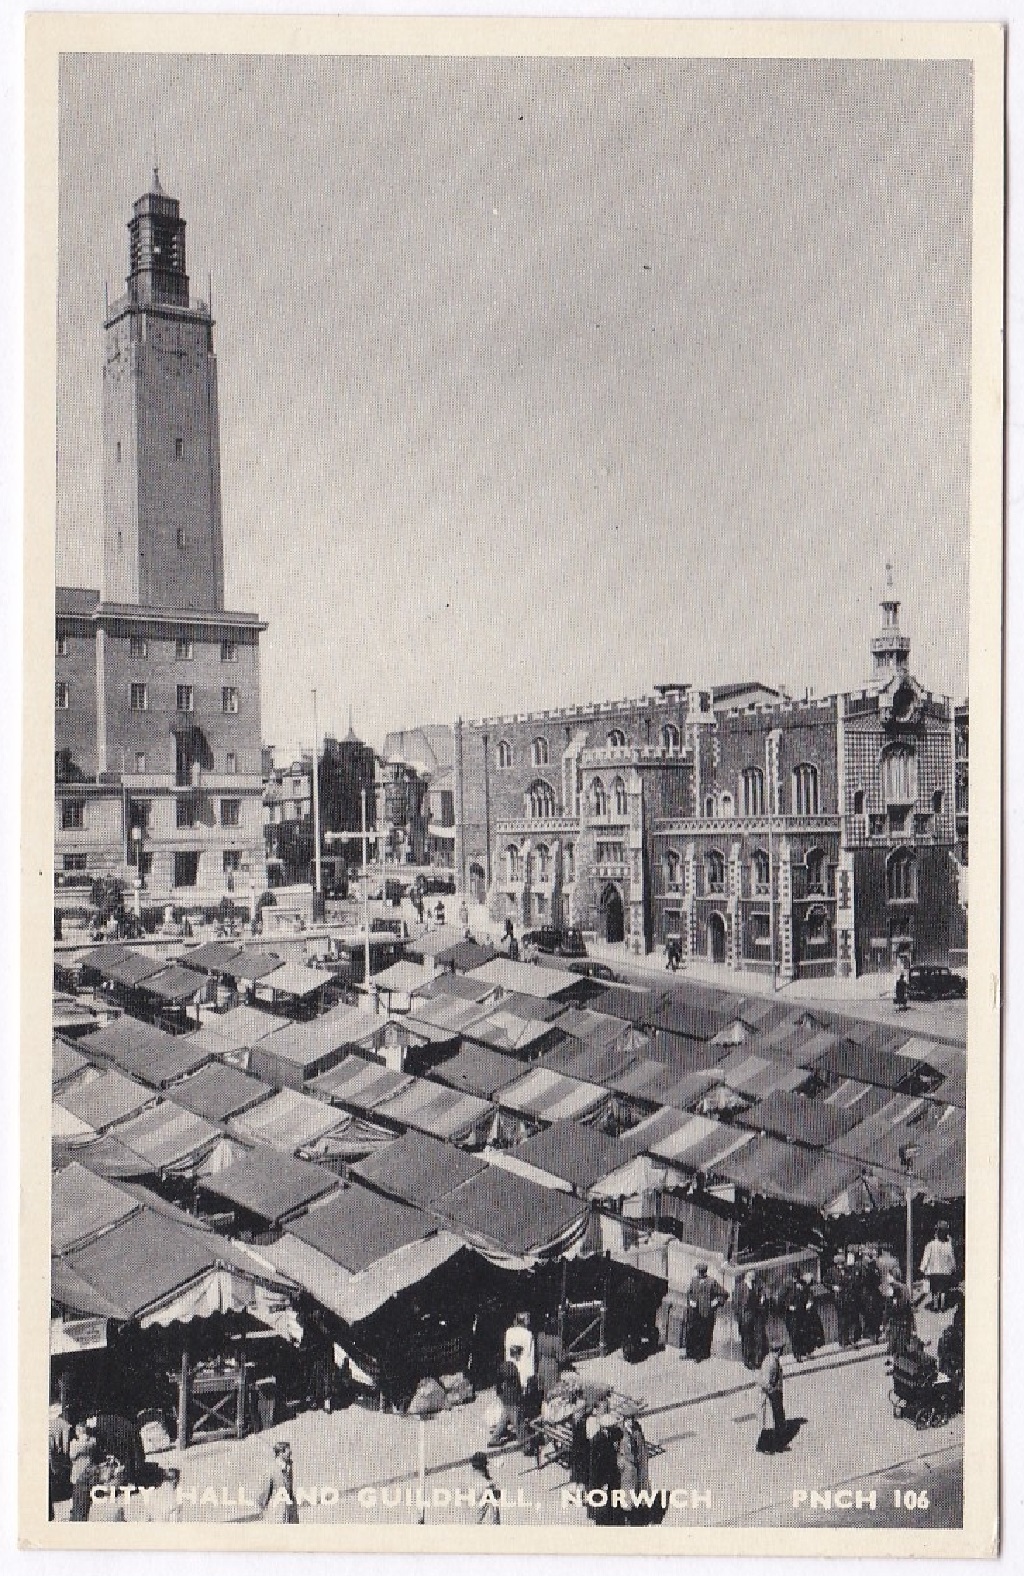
x,y
545,381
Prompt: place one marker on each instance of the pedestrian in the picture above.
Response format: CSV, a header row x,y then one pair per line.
x,y
549,1355
277,1496
634,1471
841,1286
792,1306
59,1459
753,1321
508,1417
872,1303
772,1440
604,1470
521,1348
939,1265
704,1297
486,1506
899,1318
812,1331
163,1504
84,1460
899,994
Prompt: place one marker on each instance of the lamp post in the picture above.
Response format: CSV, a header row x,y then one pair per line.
x,y
136,838
908,1153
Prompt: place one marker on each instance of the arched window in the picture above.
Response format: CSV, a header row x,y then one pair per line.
x,y
937,800
858,802
815,863
901,875
817,930
512,863
899,774
539,752
540,801
673,867
761,870
752,791
568,864
670,738
726,806
504,754
805,790
715,866
619,795
543,862
598,797
616,739
709,805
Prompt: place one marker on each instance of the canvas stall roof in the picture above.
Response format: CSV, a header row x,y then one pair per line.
x,y
943,1055
134,967
252,964
65,1063
551,1097
465,955
953,1087
404,977
419,1169
432,942
167,1135
577,1154
288,1121
506,1031
213,957
291,979
104,1157
587,1024
785,1171
355,1297
75,1295
270,1184
238,1030
460,985
160,1065
304,1044
513,1213
100,958
218,1092
175,984
69,1014
943,1172
450,1013
661,1085
798,1119
592,1061
532,1008
356,1228
690,1017
702,1155
653,1130
125,1037
686,1133
147,1258
477,1070
858,1100
107,1098
759,1075
621,1001
904,1121
433,1108
684,1056
870,1064
529,978
82,1205
354,1138
64,1124
360,1083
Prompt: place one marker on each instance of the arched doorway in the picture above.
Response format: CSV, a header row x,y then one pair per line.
x,y
477,883
614,915
716,938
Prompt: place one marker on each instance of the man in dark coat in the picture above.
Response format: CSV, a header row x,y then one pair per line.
x,y
753,1321
703,1299
772,1440
899,1318
793,1307
844,1295
871,1304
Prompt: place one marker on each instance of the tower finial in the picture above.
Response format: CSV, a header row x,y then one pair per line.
x,y
156,187
888,574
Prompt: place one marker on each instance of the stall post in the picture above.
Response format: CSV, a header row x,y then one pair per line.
x,y
183,1400
427,1402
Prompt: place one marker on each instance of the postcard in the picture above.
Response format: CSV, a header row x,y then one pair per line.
x,y
515,537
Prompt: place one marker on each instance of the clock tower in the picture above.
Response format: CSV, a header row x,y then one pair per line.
x,y
162,506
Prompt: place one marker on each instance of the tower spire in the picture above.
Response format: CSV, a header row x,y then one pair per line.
x,y
890,649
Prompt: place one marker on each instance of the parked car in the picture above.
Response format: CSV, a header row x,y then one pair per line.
x,y
934,982
559,943
592,970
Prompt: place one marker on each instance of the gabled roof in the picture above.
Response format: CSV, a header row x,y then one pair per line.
x,y
578,1154
356,1228
271,1185
105,1099
82,1205
418,1169
218,1092
477,1070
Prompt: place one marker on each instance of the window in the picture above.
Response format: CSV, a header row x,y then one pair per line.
x,y
805,790
186,869
229,698
185,806
670,738
76,861
761,930
139,699
61,645
727,806
899,775
598,797
616,739
937,801
183,649
541,802
752,791
179,448
901,876
117,451
815,864
817,930
138,646
186,698
543,862
761,870
504,755
231,763
611,853
180,537
568,864
715,866
232,859
230,812
512,863
72,815
709,805
61,695
673,867
228,651
140,813
619,795
145,864
539,752
140,762
858,802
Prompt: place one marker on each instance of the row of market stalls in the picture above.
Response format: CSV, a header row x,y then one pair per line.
x,y
382,1187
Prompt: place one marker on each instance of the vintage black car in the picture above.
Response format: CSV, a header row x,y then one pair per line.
x,y
559,943
934,982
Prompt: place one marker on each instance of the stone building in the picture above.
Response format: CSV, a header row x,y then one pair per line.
x,y
157,686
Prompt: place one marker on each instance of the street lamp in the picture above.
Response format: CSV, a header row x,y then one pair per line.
x,y
908,1154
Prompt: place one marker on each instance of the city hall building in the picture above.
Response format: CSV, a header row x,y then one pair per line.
x,y
814,837
158,778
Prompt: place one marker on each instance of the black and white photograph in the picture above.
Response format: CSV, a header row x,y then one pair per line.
x,y
525,523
